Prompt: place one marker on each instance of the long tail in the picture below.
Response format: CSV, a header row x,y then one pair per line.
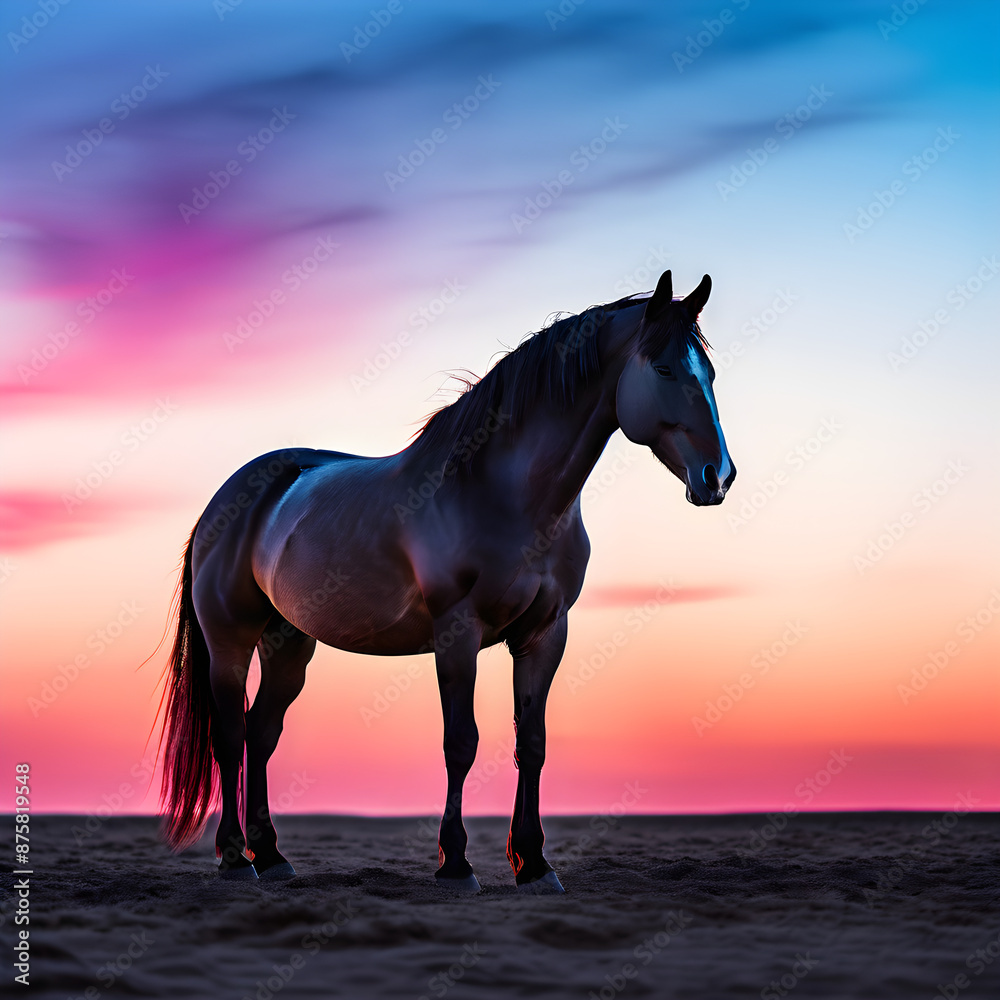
x,y
189,790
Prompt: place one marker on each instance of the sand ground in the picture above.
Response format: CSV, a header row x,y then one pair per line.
x,y
845,905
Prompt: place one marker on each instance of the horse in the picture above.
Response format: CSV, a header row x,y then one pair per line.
x,y
469,537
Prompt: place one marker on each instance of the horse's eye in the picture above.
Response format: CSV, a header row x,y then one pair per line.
x,y
663,371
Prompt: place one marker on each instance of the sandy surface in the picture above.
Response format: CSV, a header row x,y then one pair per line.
x,y
852,905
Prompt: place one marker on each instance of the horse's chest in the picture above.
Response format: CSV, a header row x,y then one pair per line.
x,y
539,587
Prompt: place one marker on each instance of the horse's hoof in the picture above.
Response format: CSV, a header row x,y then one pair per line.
x,y
468,885
547,885
276,873
245,873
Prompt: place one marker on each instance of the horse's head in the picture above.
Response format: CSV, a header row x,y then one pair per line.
x,y
665,398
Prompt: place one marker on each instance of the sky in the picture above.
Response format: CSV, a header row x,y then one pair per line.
x,y
232,227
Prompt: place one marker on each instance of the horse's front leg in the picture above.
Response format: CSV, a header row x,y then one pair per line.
x,y
535,663
457,637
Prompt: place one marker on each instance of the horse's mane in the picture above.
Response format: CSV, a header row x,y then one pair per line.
x,y
551,364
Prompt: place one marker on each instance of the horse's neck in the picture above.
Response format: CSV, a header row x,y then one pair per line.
x,y
556,450
555,453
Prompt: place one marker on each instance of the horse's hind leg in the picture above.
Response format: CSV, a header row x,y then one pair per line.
x,y
228,669
232,620
284,653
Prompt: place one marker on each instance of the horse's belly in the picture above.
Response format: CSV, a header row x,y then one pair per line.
x,y
401,639
376,633
388,621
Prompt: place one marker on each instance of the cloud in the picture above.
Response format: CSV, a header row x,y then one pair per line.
x,y
117,203
30,519
633,595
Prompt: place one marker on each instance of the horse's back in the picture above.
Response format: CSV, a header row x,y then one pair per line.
x,y
253,489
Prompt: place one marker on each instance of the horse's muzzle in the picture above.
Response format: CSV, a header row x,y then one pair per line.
x,y
709,491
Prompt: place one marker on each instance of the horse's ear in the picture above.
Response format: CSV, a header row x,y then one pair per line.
x,y
695,302
661,298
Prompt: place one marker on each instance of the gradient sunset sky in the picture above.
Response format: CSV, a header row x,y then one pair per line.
x,y
228,228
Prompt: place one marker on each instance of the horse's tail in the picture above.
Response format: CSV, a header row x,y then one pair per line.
x,y
189,789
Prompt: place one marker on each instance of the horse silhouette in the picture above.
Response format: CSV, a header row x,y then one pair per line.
x,y
469,537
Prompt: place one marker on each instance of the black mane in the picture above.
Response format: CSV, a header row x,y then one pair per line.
x,y
551,364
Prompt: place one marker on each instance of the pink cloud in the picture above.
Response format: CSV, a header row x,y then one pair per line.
x,y
629,595
32,518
